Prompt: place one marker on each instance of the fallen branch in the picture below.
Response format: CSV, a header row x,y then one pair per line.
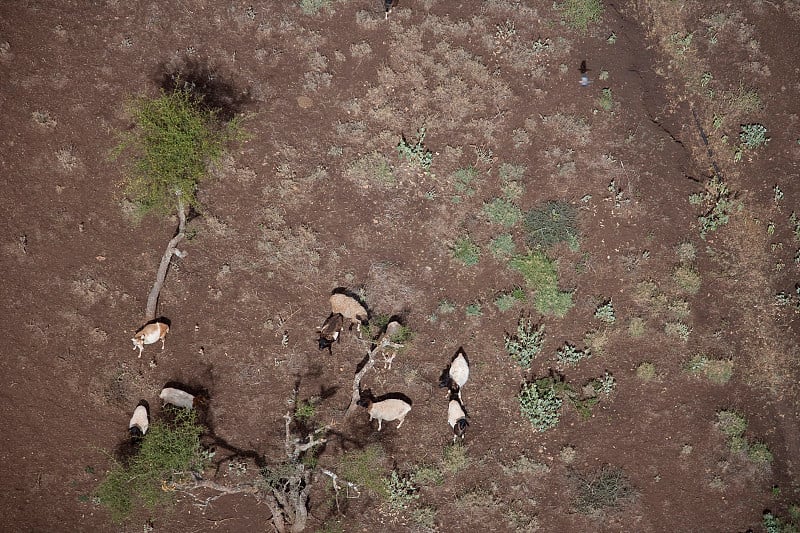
x,y
161,275
336,479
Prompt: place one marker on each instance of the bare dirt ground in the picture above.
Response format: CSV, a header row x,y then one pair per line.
x,y
298,209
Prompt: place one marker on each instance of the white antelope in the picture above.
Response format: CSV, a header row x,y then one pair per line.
x,y
149,334
390,409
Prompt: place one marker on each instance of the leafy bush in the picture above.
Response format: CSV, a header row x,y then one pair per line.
x,y
312,7
753,136
455,458
759,453
466,251
526,344
304,411
363,467
569,355
166,452
502,246
463,179
550,224
579,13
731,423
646,371
540,404
173,141
606,100
718,202
605,313
416,153
717,371
400,491
554,302
474,310
372,167
687,278
502,211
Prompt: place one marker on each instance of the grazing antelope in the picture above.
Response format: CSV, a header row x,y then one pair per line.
x,y
457,374
389,409
149,334
137,427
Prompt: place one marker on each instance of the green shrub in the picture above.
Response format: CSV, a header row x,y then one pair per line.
x,y
502,246
731,423
759,453
569,355
304,411
466,251
550,224
363,468
526,344
605,313
173,142
718,204
167,450
554,302
428,475
538,270
502,211
474,310
636,326
540,404
455,458
463,179
312,7
371,168
606,100
579,13
416,153
687,278
717,371
753,136
646,371
400,491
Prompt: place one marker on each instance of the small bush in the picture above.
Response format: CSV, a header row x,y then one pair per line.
x,y
540,404
399,491
759,453
753,136
312,7
717,371
371,168
474,310
605,313
416,153
502,211
428,475
731,423
526,344
510,173
569,355
554,302
446,307
466,251
304,411
718,204
606,100
602,490
677,329
687,278
550,224
455,458
538,270
502,246
646,371
636,326
579,13
463,181
363,467
507,300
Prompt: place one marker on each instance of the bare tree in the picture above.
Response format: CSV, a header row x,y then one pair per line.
x,y
161,275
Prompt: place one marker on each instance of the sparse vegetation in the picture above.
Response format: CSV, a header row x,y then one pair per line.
x,y
550,224
569,355
717,371
502,211
466,251
602,490
416,153
646,371
605,313
400,491
718,204
579,14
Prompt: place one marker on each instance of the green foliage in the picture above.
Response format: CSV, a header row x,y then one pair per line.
x,y
687,278
173,142
312,7
550,224
400,491
510,173
602,490
646,371
569,355
502,246
604,385
466,251
538,270
446,307
775,524
372,168
502,211
553,302
718,204
507,300
304,411
717,371
677,329
753,136
731,423
606,100
166,452
455,458
463,179
425,517
363,467
526,344
759,453
605,313
474,310
428,475
416,153
540,404
636,326
579,13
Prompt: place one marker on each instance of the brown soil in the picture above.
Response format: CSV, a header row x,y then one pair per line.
x,y
288,218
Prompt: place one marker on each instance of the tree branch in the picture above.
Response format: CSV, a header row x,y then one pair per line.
x,y
384,343
161,275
